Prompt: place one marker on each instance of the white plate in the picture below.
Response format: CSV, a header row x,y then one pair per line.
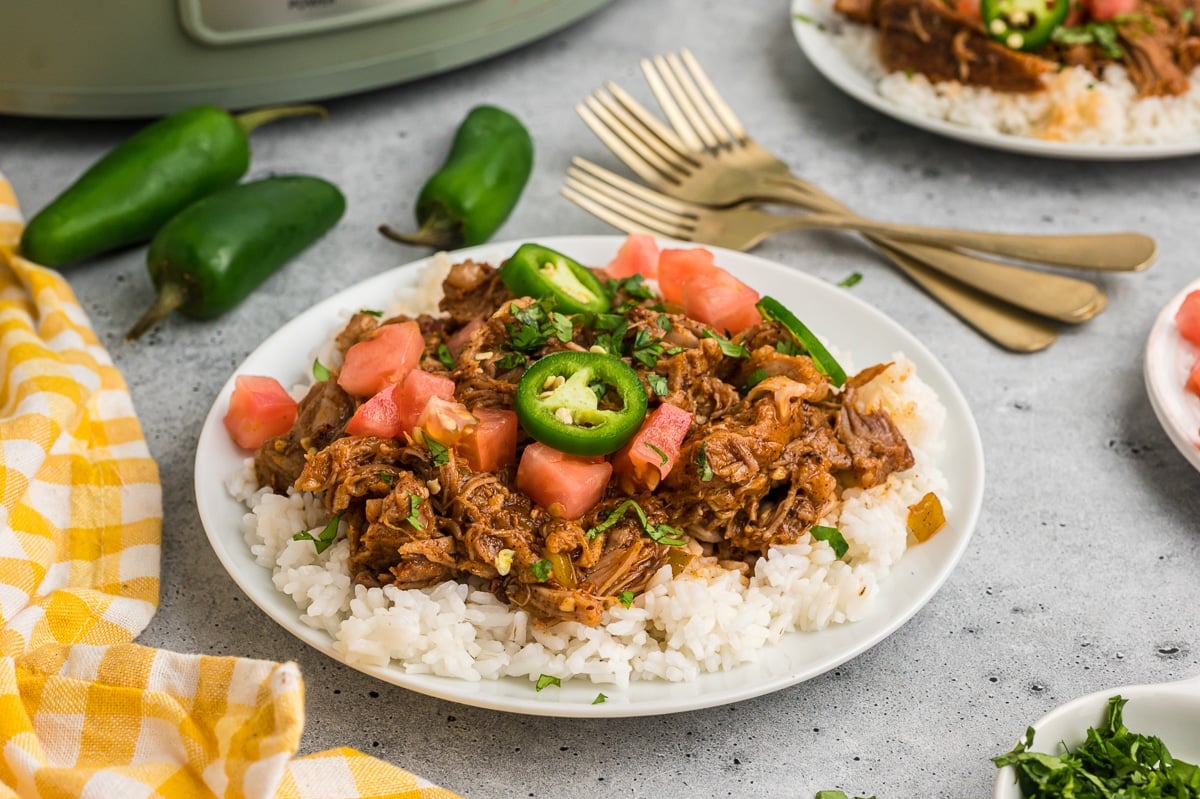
x,y
816,40
850,324
1169,360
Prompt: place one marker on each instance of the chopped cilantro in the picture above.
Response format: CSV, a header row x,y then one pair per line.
x,y
564,331
788,347
369,312
674,351
831,536
730,349
414,503
536,324
323,540
664,322
646,348
320,373
546,680
701,460
600,699
444,356
634,285
852,279
1187,15
625,598
513,360
662,456
663,534
386,477
1101,34
541,570
754,378
658,384
438,453
807,20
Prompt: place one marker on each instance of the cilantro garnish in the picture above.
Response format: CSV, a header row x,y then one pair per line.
x,y
664,322
674,351
663,534
513,360
1111,762
1102,34
788,347
600,699
730,349
853,279
625,598
755,377
386,477
831,536
646,348
541,570
320,373
323,540
634,285
536,324
658,384
701,460
369,312
662,456
445,356
545,681
414,502
438,453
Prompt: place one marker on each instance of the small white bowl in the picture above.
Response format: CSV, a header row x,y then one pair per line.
x,y
1170,711
1169,360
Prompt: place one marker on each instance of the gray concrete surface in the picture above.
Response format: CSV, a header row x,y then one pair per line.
x,y
1081,575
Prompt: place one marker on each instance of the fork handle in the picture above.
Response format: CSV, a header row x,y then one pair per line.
x,y
1114,252
997,321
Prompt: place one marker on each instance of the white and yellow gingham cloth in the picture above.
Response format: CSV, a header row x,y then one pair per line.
x,y
84,712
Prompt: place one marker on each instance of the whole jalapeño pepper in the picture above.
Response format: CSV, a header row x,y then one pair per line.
x,y
581,403
1023,24
211,255
477,187
132,191
542,273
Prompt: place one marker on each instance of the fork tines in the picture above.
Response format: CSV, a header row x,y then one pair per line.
x,y
627,205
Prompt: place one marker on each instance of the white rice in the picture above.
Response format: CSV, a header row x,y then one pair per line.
x,y
709,619
1076,106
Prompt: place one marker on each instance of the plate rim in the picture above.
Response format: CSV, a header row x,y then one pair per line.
x,y
539,704
830,63
1167,395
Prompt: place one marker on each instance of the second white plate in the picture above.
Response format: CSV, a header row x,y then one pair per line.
x,y
850,324
1169,360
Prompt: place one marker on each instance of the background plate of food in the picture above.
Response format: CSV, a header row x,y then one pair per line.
x,y
1122,88
714,586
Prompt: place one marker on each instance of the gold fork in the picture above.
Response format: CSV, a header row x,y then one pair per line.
x,y
709,159
634,208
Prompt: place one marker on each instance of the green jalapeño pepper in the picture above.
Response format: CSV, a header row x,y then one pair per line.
x,y
540,272
211,255
562,402
1023,24
826,364
478,186
126,196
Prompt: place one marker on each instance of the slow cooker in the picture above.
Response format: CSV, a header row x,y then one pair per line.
x,y
128,58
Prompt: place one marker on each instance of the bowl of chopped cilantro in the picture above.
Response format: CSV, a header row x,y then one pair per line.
x,y
1085,750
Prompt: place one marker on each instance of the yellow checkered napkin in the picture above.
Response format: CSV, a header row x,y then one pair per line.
x,y
84,712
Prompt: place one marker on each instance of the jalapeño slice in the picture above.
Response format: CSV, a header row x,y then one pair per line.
x,y
542,273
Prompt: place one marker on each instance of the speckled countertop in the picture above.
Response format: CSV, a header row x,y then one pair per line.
x,y
1082,574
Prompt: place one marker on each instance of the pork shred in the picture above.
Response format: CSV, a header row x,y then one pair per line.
x,y
1158,43
771,446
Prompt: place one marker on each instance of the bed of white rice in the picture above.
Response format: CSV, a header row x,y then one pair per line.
x,y
708,619
1076,106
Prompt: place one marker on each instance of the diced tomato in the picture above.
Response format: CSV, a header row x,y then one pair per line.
x,y
378,416
719,299
493,442
460,337
1104,10
637,256
675,267
968,8
384,359
260,408
446,421
651,454
1187,318
1193,381
566,485
415,392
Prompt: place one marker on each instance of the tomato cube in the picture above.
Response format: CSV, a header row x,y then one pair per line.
x,y
719,299
652,452
382,360
415,393
259,408
493,443
676,267
1193,381
378,416
566,485
638,256
1187,318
